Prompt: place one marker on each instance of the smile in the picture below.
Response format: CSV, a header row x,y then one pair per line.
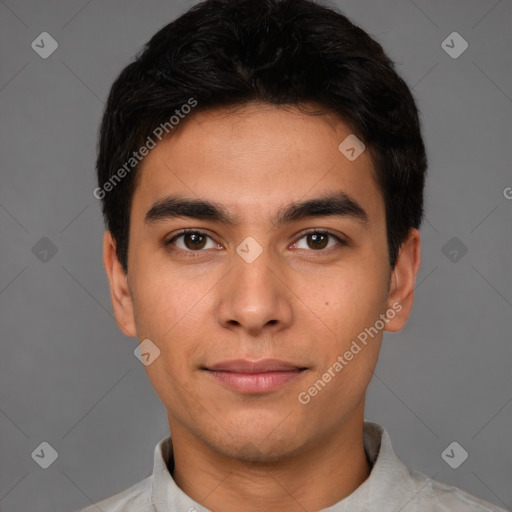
x,y
255,377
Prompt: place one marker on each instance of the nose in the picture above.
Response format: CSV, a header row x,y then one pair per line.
x,y
255,297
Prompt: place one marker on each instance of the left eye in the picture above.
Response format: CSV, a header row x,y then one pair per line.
x,y
318,240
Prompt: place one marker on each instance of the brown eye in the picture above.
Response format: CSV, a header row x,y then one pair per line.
x,y
194,241
317,240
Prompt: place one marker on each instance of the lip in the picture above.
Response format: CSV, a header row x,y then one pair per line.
x,y
261,376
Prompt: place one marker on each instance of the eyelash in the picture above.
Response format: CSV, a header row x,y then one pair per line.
x,y
194,254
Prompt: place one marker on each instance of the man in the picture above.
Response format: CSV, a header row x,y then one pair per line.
x,y
261,170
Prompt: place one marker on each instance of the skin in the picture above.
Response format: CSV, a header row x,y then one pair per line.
x,y
296,302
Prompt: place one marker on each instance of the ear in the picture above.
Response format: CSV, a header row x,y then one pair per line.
x,y
403,277
119,290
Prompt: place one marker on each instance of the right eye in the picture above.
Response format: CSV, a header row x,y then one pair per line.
x,y
189,240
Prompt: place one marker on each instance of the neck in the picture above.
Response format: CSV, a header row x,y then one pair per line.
x,y
318,477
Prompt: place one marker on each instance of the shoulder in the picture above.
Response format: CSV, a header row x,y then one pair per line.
x,y
434,496
136,498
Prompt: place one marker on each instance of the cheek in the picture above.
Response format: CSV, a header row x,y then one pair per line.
x,y
350,306
166,302
170,310
349,297
172,321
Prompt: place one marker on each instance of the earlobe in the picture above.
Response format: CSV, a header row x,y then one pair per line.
x,y
119,290
403,278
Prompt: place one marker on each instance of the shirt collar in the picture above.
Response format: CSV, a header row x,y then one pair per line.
x,y
389,486
388,477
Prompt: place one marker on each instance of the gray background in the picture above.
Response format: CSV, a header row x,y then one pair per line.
x,y
69,377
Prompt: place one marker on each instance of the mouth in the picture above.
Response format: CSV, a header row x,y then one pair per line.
x,y
254,377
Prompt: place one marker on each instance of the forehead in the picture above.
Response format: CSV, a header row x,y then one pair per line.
x,y
257,157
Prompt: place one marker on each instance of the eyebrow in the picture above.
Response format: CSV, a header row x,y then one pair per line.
x,y
338,204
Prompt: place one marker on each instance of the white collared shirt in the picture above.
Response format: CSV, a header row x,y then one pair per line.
x,y
390,487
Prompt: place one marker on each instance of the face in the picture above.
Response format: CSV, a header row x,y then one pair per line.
x,y
283,267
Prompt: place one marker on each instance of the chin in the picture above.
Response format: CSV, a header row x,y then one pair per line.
x,y
257,445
